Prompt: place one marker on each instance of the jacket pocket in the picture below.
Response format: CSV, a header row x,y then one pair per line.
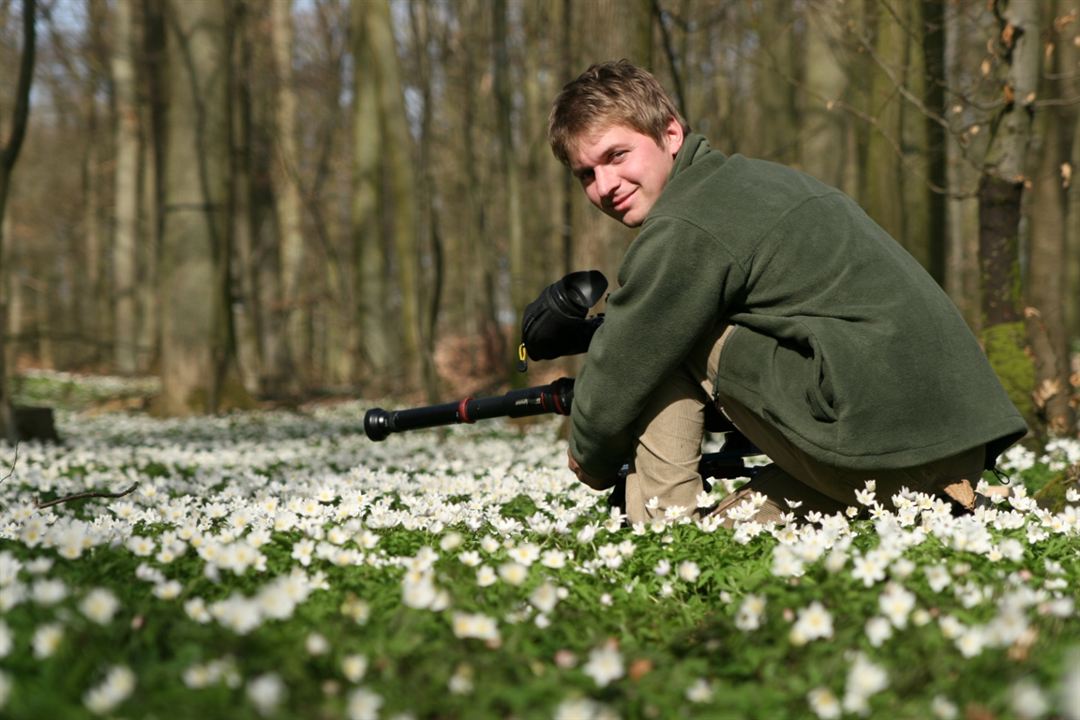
x,y
819,395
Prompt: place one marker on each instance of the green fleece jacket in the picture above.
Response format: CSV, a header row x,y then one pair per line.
x,y
842,340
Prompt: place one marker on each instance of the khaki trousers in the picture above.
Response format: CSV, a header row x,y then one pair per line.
x,y
664,482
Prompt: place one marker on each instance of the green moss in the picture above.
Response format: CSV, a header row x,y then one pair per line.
x,y
1007,350
234,396
1052,495
195,401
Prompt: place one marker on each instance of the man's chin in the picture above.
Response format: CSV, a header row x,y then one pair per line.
x,y
629,219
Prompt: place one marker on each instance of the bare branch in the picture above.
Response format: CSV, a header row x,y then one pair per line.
x,y
85,496
14,460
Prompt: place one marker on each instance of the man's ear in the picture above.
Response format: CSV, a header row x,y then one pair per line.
x,y
674,136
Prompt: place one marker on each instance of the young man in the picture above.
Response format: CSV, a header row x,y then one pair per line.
x,y
758,288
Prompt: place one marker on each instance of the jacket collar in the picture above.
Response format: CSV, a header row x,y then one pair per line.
x,y
694,148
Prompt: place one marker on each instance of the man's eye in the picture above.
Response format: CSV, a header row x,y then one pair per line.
x,y
618,155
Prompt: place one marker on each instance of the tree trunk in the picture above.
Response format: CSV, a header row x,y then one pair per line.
x,y
915,159
432,281
1069,60
933,17
1046,275
249,311
566,184
95,306
372,267
963,50
539,181
1001,192
823,148
777,138
262,274
152,114
519,289
883,173
481,259
639,28
198,370
287,201
9,153
127,192
401,175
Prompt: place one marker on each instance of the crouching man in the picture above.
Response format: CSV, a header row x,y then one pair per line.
x,y
760,289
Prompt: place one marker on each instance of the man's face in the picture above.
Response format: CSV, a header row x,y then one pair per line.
x,y
624,171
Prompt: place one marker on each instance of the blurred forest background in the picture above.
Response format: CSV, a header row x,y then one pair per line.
x,y
261,199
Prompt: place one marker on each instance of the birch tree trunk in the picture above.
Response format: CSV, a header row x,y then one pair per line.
x,y
1001,191
198,369
9,153
127,192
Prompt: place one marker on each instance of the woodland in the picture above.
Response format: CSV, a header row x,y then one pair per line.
x,y
269,200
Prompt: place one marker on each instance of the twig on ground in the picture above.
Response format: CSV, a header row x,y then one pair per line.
x,y
85,496
14,461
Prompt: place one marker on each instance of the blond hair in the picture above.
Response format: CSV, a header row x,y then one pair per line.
x,y
609,93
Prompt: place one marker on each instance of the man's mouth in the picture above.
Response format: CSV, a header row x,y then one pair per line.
x,y
623,203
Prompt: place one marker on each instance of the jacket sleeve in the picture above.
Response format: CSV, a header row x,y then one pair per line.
x,y
676,283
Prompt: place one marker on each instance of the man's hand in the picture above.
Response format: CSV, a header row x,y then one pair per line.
x,y
585,477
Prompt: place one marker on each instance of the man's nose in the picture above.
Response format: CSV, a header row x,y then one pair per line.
x,y
606,180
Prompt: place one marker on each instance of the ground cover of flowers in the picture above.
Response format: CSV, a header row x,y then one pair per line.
x,y
282,565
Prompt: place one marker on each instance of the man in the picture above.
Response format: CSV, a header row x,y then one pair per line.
x,y
760,289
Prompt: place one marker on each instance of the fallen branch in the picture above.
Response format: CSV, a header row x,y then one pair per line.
x,y
14,460
85,496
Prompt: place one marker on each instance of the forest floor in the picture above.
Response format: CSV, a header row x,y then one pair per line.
x,y
280,564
